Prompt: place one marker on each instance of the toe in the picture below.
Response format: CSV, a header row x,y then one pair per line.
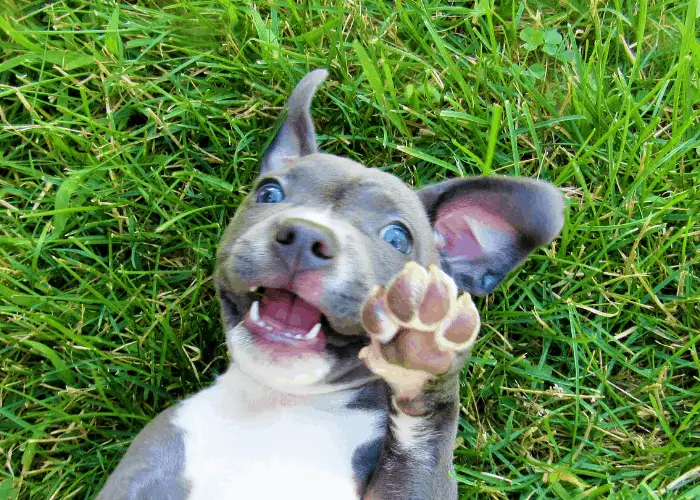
x,y
406,291
439,298
461,330
376,318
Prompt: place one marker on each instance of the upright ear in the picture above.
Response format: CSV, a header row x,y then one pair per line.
x,y
487,226
296,136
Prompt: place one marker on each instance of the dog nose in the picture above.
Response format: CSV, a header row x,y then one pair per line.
x,y
304,245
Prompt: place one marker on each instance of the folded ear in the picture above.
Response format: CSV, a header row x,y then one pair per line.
x,y
296,136
487,226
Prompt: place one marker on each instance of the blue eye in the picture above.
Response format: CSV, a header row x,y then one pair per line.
x,y
270,192
398,237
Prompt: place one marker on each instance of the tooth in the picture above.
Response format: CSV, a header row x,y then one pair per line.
x,y
313,333
255,311
298,336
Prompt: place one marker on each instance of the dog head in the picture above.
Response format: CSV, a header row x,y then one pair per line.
x,y
318,232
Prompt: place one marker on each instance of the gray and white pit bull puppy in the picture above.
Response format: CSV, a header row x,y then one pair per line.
x,y
340,295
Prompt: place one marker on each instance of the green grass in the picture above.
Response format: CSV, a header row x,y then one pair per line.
x,y
129,133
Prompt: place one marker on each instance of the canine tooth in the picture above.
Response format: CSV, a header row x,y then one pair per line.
x,y
255,311
313,333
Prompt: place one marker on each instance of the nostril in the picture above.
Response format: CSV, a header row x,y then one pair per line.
x,y
321,251
285,236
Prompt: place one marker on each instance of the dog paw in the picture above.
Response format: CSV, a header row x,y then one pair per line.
x,y
419,328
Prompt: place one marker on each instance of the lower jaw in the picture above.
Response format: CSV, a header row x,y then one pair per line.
x,y
279,344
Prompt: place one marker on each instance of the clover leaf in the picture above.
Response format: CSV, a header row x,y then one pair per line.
x,y
552,37
552,42
532,37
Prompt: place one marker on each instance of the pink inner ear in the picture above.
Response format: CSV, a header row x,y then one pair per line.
x,y
466,228
456,237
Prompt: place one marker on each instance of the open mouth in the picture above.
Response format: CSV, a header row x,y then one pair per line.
x,y
281,318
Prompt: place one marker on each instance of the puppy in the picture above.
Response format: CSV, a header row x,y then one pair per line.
x,y
340,297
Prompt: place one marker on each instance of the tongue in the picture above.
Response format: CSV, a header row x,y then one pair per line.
x,y
288,311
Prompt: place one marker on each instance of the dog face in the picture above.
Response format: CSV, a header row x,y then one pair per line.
x,y
318,232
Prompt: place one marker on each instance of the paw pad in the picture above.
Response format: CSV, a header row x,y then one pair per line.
x,y
419,323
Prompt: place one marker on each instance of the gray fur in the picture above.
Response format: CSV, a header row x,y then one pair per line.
x,y
152,466
296,136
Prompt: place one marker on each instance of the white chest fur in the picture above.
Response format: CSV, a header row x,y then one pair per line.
x,y
243,441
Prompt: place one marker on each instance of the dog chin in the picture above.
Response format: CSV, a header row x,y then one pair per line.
x,y
295,374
